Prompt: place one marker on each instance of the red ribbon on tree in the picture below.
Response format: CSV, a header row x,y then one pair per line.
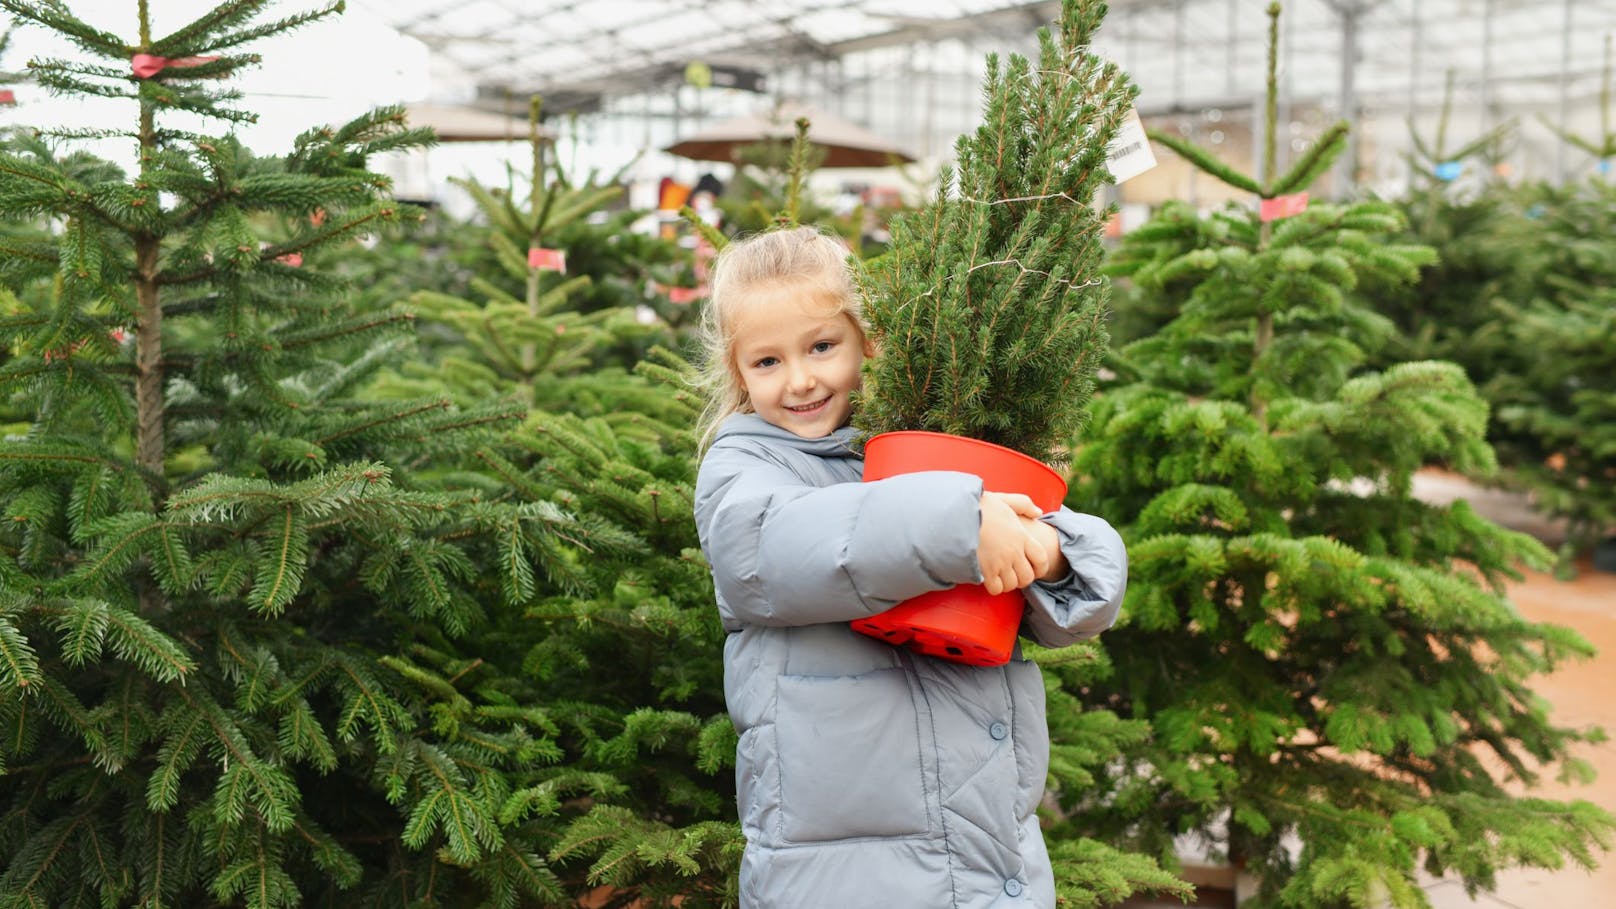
x,y
547,259
1282,206
147,65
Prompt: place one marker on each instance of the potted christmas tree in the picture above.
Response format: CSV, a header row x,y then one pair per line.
x,y
989,309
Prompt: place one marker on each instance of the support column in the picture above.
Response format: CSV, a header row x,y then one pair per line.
x,y
1345,173
1415,41
1346,166
1565,96
1230,56
1487,65
1178,56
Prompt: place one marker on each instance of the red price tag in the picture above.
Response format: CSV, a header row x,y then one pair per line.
x,y
1282,206
547,259
147,65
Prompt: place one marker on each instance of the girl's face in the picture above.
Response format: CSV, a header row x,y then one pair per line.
x,y
799,362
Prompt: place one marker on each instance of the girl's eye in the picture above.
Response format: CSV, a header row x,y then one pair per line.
x,y
823,346
765,363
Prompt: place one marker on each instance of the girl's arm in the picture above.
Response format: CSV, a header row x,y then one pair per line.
x,y
1086,600
785,553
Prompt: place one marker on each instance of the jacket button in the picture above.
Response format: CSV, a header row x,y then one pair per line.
x,y
1012,888
999,731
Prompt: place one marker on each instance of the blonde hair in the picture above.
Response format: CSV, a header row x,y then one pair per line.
x,y
808,260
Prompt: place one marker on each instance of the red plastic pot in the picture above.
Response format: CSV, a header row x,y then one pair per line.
x,y
964,624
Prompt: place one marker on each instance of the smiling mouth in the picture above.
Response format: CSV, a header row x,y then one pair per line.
x,y
808,408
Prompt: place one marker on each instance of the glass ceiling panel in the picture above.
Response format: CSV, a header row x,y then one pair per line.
x,y
1518,55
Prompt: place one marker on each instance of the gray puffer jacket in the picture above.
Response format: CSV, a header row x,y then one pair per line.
x,y
869,776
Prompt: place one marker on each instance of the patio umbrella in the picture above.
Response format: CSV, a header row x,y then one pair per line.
x,y
845,144
470,124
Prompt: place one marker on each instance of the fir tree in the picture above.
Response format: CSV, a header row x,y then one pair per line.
x,y
1603,146
539,330
230,594
1479,236
768,179
988,303
1549,385
584,219
612,648
1551,390
770,189
531,334
1324,660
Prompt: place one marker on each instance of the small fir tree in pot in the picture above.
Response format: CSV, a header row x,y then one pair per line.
x,y
989,306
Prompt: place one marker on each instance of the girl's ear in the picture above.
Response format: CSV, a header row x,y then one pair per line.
x,y
870,347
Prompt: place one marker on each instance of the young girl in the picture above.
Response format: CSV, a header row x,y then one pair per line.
x,y
866,775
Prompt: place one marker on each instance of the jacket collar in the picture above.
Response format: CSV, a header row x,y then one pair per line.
x,y
838,444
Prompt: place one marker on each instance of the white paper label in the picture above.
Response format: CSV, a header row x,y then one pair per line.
x,y
1129,154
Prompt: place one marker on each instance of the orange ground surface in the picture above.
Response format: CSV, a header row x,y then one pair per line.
x,y
1583,694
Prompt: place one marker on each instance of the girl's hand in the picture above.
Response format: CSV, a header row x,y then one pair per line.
x,y
1010,557
1049,541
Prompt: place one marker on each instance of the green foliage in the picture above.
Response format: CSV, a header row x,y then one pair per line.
x,y
584,219
617,651
1480,237
1551,391
766,190
267,638
1321,657
1093,867
1518,299
988,303
1603,146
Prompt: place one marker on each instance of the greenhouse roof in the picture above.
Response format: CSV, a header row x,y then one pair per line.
x,y
1185,54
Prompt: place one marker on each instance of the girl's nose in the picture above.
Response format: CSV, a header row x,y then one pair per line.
x,y
802,379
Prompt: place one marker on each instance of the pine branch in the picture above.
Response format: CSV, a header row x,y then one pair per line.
x,y
54,16
1315,161
1206,161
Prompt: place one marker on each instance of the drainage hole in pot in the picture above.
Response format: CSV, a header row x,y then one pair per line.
x,y
955,651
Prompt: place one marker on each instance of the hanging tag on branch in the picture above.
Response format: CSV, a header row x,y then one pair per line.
x,y
547,259
8,98
1129,153
146,66
1282,207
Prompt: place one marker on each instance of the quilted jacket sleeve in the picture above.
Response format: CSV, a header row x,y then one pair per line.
x,y
1086,601
786,553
